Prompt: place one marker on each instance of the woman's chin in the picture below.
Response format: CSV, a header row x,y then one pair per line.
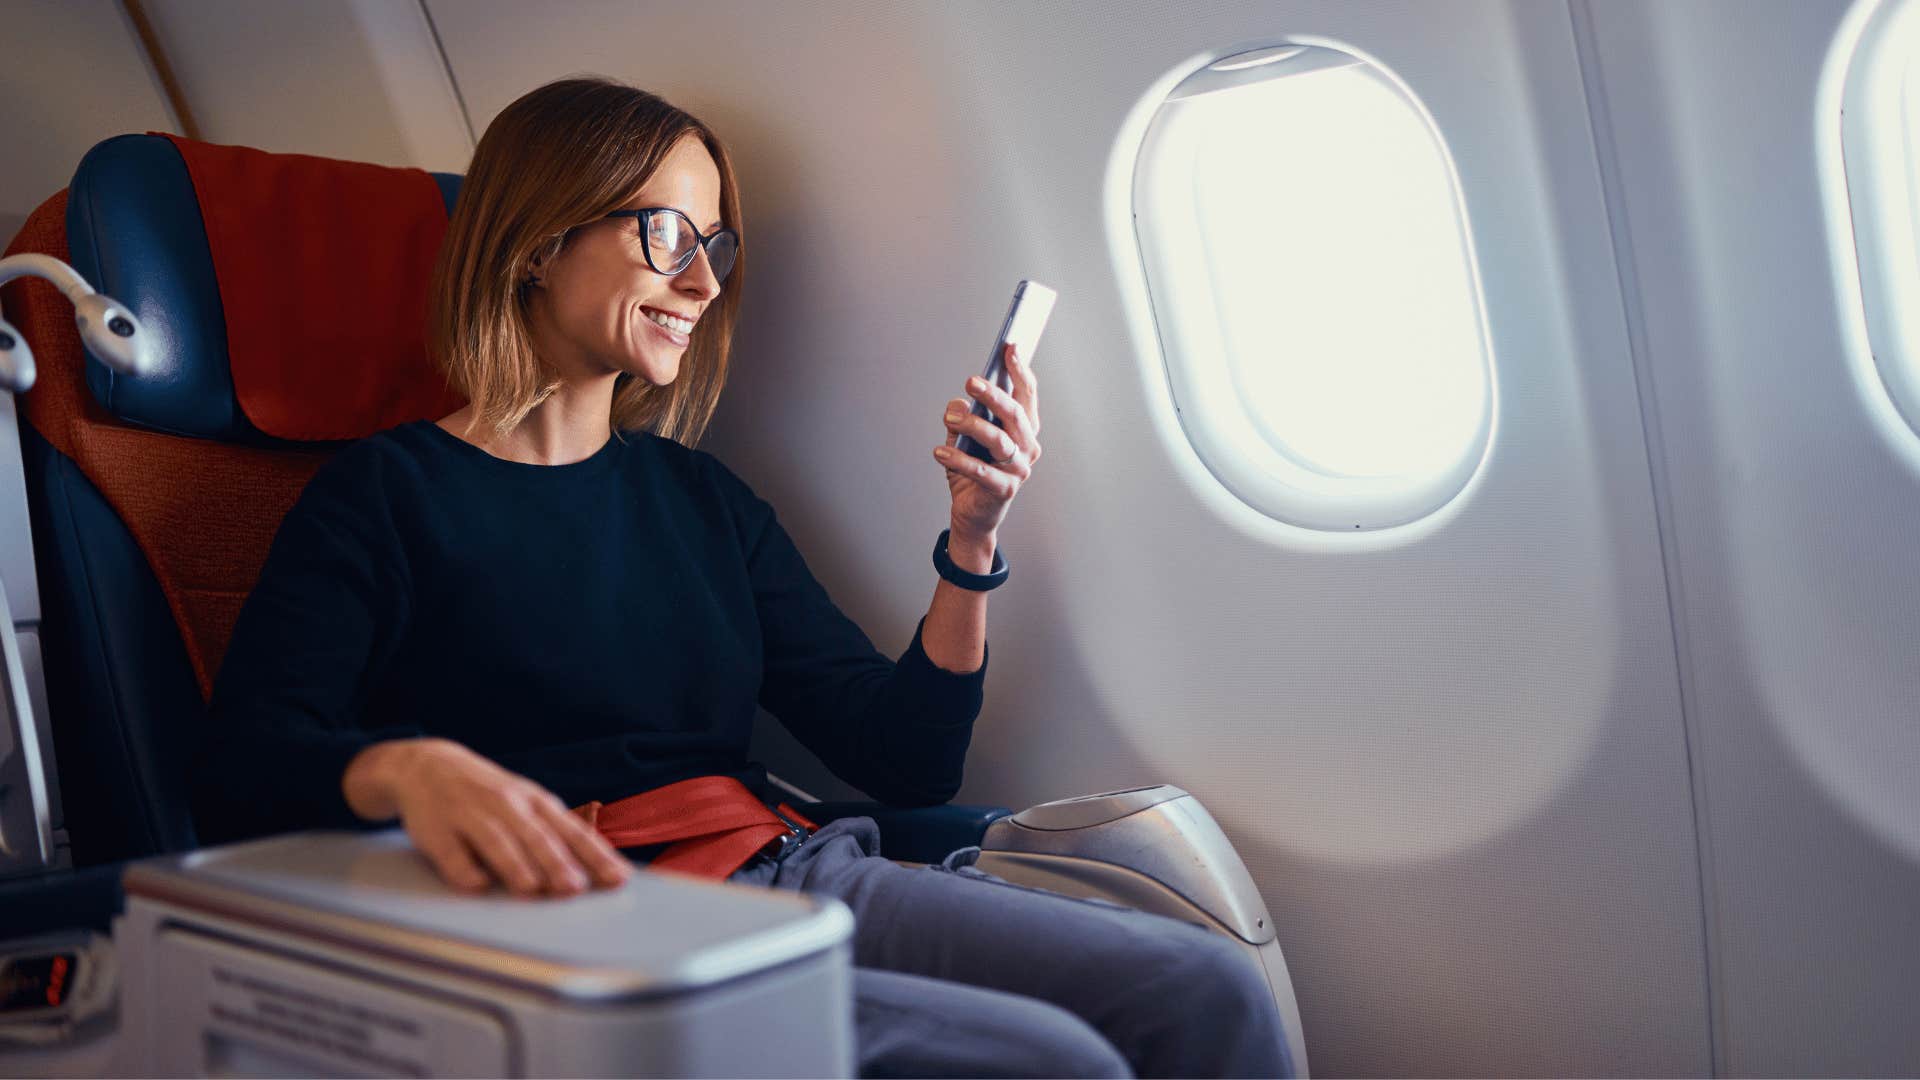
x,y
654,370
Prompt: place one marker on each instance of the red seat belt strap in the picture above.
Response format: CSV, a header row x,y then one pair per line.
x,y
714,823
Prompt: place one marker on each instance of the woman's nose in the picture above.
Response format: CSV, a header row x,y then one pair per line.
x,y
698,278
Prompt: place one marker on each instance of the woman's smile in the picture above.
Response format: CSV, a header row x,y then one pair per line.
x,y
648,314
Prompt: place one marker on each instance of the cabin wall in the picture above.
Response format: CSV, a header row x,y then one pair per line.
x,y
74,74
1464,761
355,79
1792,512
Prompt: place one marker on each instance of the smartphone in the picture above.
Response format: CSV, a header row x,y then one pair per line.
x,y
1026,318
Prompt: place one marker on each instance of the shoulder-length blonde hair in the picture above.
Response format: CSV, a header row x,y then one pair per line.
x,y
562,156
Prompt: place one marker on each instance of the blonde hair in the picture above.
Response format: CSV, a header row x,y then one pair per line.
x,y
562,156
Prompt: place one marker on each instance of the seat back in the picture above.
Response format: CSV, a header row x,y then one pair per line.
x,y
286,295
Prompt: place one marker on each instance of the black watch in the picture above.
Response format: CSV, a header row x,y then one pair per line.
x,y
969,581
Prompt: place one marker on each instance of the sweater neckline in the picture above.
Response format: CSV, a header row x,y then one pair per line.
x,y
598,461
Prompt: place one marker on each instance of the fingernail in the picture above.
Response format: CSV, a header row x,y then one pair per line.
x,y
953,418
975,382
942,453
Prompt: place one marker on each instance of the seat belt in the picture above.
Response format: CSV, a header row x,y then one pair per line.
x,y
717,822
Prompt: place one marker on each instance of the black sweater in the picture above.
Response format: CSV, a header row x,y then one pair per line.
x,y
603,628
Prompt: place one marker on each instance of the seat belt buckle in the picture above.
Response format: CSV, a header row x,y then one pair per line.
x,y
796,834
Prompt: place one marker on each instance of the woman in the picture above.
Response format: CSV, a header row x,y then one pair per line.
x,y
547,598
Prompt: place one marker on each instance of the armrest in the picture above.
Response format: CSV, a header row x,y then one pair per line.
x,y
340,953
1142,846
60,900
923,834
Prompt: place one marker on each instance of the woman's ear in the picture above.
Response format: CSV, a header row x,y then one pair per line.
x,y
542,256
537,261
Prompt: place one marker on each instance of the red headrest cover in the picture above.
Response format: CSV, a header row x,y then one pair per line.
x,y
323,268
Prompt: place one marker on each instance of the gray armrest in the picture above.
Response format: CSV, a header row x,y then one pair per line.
x,y
344,951
1161,834
1155,849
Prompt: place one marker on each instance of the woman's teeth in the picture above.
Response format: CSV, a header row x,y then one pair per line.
x,y
673,323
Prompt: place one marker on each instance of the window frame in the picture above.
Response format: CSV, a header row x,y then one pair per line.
x,y
1215,419
1879,178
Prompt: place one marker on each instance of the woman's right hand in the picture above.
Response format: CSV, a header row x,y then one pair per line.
x,y
477,822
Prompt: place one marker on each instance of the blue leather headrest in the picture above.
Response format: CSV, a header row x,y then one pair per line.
x,y
135,232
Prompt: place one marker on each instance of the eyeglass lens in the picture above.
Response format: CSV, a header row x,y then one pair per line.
x,y
671,239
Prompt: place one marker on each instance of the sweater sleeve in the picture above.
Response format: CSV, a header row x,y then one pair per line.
x,y
283,720
898,731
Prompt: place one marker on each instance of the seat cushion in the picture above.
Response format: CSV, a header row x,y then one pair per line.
x,y
118,678
203,513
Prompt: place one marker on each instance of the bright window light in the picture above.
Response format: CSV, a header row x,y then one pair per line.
x,y
1313,283
1880,148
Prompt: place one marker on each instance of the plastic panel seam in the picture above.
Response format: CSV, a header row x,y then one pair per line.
x,y
446,64
1607,159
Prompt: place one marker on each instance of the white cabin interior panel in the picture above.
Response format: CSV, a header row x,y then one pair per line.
x,y
1792,508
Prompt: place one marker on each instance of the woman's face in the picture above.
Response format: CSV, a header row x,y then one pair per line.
x,y
597,299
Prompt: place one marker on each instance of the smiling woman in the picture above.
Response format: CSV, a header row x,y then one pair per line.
x,y
523,204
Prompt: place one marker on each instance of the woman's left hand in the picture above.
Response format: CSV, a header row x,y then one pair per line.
x,y
982,492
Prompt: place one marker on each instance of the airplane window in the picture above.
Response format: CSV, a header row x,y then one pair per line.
x,y
1313,283
1880,153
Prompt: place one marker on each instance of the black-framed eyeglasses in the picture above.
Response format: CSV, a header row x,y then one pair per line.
x,y
672,239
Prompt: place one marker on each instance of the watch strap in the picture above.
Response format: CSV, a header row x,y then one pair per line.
x,y
943,563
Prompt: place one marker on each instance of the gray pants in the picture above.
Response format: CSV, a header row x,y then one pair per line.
x,y
958,972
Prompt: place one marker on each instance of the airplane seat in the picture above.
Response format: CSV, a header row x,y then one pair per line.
x,y
287,294
153,499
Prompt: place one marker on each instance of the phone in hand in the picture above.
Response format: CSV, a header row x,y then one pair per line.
x,y
1026,318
